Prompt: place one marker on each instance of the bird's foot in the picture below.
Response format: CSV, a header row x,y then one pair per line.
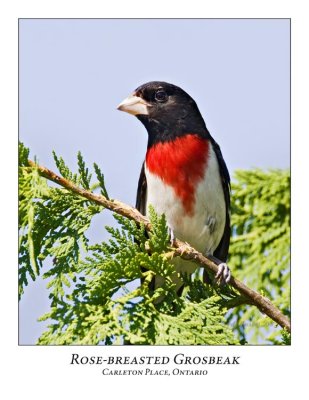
x,y
223,276
184,248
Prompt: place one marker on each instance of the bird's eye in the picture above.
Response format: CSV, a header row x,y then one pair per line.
x,y
161,96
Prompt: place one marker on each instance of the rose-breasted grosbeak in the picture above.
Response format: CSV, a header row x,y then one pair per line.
x,y
184,175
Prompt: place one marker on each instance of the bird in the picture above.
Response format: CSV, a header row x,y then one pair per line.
x,y
183,176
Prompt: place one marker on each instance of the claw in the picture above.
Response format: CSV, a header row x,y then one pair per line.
x,y
183,248
223,275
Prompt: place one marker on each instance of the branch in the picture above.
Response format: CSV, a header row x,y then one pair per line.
x,y
181,249
238,301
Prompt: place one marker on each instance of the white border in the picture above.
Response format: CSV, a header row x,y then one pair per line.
x,y
45,371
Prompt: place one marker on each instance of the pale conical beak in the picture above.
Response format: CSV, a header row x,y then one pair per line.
x,y
134,105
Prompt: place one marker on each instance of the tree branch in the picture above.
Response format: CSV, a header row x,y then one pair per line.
x,y
182,249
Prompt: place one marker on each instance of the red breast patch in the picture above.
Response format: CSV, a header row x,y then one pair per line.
x,y
180,163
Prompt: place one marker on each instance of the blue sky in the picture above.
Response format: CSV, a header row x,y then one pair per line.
x,y
73,74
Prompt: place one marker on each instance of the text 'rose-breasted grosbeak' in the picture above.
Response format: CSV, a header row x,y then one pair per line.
x,y
184,174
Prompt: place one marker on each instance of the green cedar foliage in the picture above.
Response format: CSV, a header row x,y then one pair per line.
x,y
260,249
100,294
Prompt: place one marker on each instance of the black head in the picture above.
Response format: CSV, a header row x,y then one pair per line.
x,y
166,110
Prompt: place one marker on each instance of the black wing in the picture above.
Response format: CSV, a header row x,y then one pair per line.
x,y
141,196
222,250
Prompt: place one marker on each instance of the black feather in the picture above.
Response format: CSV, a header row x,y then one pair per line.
x,y
222,250
141,196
